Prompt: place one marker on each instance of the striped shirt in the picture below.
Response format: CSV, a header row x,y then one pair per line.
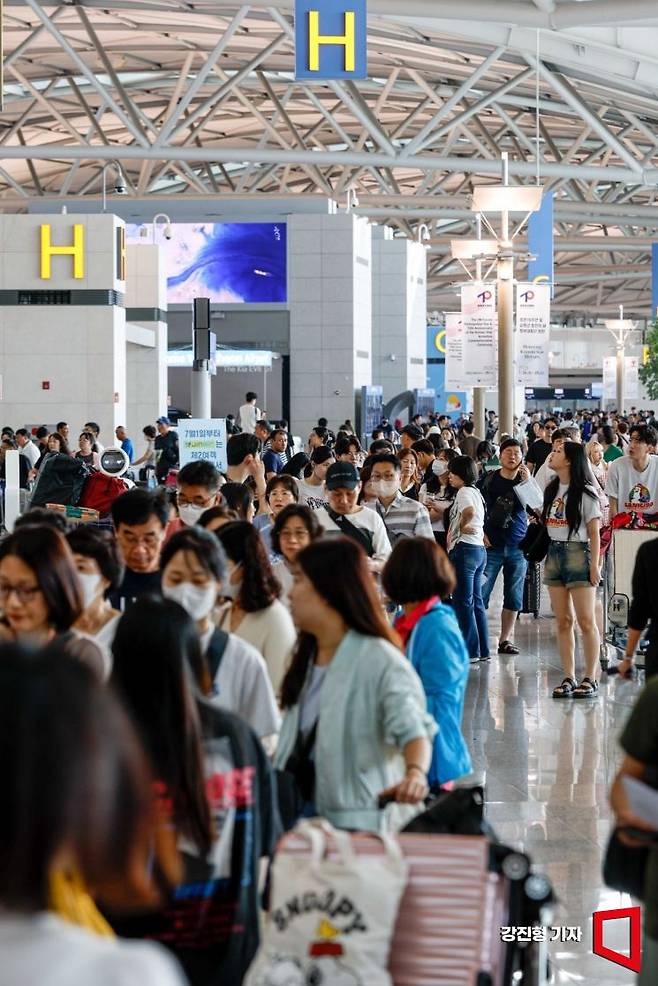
x,y
405,518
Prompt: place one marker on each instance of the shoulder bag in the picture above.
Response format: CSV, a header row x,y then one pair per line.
x,y
536,541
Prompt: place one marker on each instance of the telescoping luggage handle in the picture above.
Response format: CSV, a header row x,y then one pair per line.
x,y
320,832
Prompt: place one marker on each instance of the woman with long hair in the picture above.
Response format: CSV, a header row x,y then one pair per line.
x,y
55,445
594,451
572,514
255,612
194,570
465,542
437,494
214,788
354,708
294,529
40,593
409,484
419,578
77,818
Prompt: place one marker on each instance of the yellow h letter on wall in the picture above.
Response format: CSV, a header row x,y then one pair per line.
x,y
316,40
77,251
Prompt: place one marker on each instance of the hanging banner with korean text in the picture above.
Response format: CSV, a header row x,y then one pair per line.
x,y
631,378
610,378
480,327
533,329
454,346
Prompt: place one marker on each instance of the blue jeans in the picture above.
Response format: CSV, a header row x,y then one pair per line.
x,y
514,568
469,561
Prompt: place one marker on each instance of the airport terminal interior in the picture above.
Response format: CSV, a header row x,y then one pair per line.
x,y
329,492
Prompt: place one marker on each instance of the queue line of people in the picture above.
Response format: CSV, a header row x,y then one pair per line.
x,y
300,645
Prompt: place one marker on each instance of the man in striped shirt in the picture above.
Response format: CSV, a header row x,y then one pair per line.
x,y
402,517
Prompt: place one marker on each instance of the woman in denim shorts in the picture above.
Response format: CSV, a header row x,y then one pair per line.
x,y
572,514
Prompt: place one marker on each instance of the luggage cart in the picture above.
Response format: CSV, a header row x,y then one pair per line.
x,y
618,589
82,515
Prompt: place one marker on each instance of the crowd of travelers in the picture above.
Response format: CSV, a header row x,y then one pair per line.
x,y
230,652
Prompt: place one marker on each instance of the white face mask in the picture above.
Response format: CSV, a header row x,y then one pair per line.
x,y
91,586
197,600
190,514
439,467
231,590
385,487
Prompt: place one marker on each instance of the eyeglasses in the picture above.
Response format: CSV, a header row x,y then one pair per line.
x,y
198,502
24,593
294,535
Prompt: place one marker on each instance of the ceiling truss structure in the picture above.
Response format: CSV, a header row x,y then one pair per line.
x,y
198,98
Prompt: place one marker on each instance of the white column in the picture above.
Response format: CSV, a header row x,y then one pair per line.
x,y
330,292
399,313
62,361
146,353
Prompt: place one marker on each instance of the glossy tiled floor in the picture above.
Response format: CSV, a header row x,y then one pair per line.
x,y
547,767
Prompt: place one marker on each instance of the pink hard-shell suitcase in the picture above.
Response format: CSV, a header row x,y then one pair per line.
x,y
448,927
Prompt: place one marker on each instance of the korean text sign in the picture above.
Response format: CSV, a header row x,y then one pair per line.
x,y
203,440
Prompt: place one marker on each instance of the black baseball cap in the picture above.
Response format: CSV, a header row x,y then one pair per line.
x,y
413,431
342,475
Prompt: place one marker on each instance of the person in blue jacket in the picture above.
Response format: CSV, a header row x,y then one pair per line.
x,y
418,577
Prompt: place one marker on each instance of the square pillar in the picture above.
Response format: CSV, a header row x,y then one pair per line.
x,y
146,350
399,313
62,321
330,294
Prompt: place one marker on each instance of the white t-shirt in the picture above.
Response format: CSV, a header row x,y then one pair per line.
x,y
314,497
31,453
556,520
242,685
634,491
467,496
248,415
368,520
43,950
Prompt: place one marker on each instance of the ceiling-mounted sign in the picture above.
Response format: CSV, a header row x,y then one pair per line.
x,y
331,39
480,333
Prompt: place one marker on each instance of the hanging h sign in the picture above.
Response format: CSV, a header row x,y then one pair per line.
x,y
331,39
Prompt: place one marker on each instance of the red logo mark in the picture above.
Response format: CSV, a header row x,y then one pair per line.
x,y
632,961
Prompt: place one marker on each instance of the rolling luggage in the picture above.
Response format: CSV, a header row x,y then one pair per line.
x,y
460,892
532,590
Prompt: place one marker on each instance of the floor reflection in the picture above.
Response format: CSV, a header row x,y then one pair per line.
x,y
547,767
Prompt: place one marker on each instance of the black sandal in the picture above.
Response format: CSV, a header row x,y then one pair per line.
x,y
587,689
507,647
566,689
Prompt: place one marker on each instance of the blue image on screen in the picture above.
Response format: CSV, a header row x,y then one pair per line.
x,y
237,263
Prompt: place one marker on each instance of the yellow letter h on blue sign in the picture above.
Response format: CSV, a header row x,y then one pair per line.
x,y
317,40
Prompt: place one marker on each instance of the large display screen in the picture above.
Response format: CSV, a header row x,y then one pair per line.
x,y
235,263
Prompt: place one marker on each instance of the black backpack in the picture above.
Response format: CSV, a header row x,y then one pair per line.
x,y
60,480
